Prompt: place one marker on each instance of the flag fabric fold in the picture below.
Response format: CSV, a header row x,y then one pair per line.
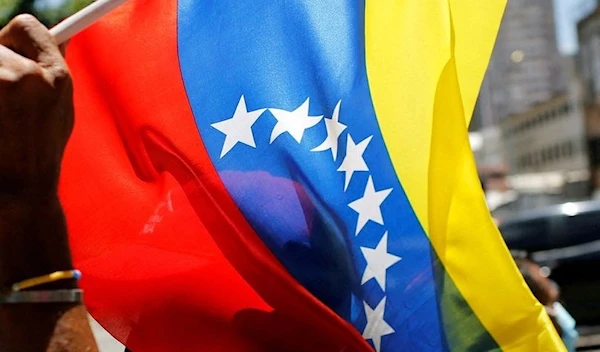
x,y
289,176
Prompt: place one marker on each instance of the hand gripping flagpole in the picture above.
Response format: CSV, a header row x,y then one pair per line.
x,y
83,19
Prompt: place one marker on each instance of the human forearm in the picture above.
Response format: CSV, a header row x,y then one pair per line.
x,y
50,328
33,238
36,119
33,242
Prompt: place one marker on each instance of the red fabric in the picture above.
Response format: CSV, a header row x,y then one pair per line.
x,y
169,262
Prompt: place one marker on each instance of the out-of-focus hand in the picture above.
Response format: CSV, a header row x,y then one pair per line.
x,y
36,109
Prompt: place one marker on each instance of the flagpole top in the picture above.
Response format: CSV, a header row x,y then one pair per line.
x,y
79,21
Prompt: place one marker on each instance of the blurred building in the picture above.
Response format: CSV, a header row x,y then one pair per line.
x,y
588,30
546,150
487,146
525,68
524,81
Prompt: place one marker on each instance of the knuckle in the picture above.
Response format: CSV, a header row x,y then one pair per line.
x,y
27,74
30,74
32,69
61,73
23,28
8,80
24,23
22,71
61,76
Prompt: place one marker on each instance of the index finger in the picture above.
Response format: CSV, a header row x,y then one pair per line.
x,y
28,37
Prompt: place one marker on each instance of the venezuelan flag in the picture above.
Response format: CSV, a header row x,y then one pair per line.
x,y
290,176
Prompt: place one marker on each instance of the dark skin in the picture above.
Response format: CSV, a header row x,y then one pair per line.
x,y
36,120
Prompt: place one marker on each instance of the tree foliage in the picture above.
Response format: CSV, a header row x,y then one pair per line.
x,y
47,14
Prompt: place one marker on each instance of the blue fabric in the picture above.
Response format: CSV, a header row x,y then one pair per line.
x,y
276,54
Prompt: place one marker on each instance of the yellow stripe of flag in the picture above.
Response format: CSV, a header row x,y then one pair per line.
x,y
425,62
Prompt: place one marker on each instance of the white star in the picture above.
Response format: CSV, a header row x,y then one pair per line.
x,y
293,122
369,206
334,130
376,325
238,129
378,261
353,161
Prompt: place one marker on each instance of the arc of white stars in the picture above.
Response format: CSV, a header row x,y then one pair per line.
x,y
378,261
369,206
238,128
353,160
334,130
376,327
293,122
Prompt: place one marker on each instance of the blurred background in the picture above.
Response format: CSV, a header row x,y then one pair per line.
x,y
535,135
536,128
49,12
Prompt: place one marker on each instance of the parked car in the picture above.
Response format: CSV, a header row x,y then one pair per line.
x,y
565,239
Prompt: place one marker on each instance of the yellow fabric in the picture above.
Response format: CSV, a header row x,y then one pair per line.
x,y
425,63
475,23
